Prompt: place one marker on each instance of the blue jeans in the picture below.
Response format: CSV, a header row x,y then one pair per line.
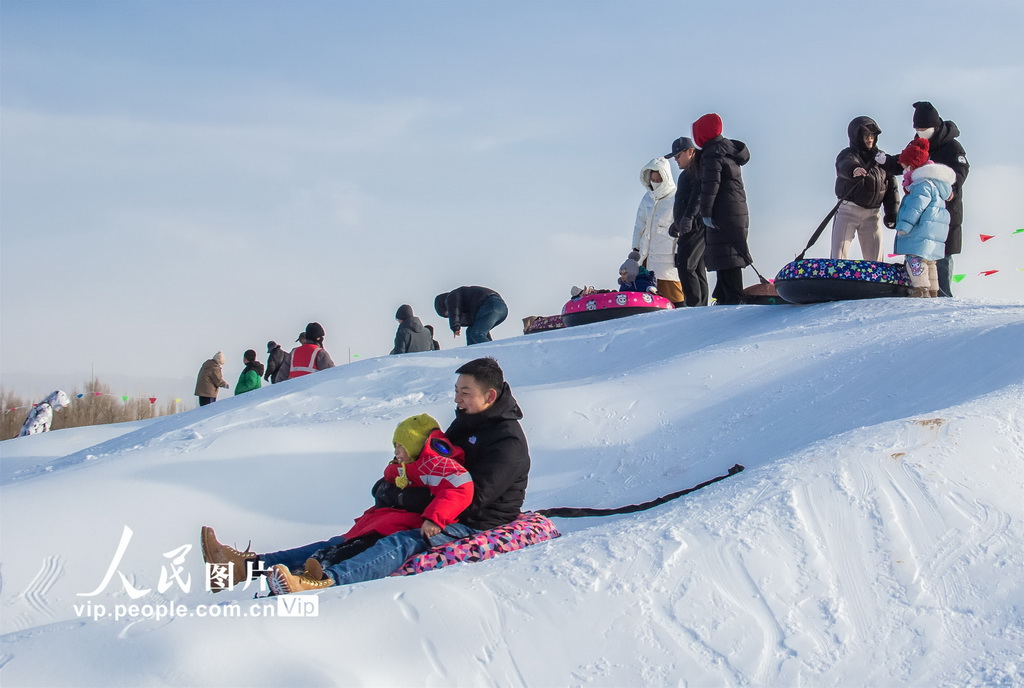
x,y
382,559
945,269
492,312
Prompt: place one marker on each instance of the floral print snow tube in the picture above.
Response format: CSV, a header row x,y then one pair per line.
x,y
611,304
816,280
529,529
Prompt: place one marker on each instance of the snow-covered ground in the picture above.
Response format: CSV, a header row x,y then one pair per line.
x,y
875,537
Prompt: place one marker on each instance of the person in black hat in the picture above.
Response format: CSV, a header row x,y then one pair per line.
x,y
275,357
411,336
686,227
309,356
478,308
944,148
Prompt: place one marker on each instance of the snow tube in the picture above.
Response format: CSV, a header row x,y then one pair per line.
x,y
762,295
816,280
542,323
613,304
529,529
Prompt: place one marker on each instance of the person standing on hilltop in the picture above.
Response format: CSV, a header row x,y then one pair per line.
x,y
412,336
251,375
275,357
210,380
651,237
309,357
723,207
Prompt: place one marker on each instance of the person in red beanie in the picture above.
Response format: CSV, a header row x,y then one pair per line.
x,y
723,207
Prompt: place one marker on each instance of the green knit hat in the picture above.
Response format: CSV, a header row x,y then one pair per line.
x,y
412,433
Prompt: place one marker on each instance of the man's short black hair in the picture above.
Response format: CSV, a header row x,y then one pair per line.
x,y
485,371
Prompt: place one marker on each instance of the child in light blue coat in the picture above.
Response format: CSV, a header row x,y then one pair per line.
x,y
923,221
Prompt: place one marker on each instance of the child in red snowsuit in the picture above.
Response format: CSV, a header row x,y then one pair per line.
x,y
423,458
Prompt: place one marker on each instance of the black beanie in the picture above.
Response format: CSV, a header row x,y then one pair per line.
x,y
314,332
925,115
249,355
271,345
441,304
404,312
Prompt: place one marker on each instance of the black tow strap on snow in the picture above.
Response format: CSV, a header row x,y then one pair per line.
x,y
582,512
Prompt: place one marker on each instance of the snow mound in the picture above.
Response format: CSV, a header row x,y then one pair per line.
x,y
874,539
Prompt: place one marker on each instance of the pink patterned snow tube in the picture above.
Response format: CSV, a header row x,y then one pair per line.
x,y
614,304
529,529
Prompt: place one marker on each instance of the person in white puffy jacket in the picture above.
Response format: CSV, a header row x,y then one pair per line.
x,y
41,415
650,234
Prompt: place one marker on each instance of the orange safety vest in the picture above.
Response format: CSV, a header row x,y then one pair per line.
x,y
303,360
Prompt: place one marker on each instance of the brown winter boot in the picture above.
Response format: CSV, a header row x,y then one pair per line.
x,y
283,582
314,570
215,552
920,292
933,293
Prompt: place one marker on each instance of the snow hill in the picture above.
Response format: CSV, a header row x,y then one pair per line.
x,y
874,539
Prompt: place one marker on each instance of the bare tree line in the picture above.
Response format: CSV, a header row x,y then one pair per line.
x,y
89,410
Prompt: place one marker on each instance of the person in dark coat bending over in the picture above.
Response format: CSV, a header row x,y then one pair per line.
x,y
478,308
723,207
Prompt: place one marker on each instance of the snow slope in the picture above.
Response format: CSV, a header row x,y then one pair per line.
x,y
875,537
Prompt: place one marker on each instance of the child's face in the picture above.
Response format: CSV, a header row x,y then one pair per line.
x,y
401,455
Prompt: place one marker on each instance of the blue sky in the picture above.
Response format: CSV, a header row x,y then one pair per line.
x,y
178,178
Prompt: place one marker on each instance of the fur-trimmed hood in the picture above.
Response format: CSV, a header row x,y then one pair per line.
x,y
936,171
667,187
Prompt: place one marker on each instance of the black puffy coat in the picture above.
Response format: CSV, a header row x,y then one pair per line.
x,y
878,186
412,337
944,148
723,199
497,457
460,305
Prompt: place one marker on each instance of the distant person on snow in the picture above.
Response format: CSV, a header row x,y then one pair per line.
x,y
923,221
251,374
687,227
433,342
478,308
866,187
651,238
635,277
723,207
40,416
275,357
210,380
486,428
945,149
309,356
411,336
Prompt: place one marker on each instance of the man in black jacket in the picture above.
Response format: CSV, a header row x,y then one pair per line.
x,y
478,308
687,226
945,149
487,428
864,186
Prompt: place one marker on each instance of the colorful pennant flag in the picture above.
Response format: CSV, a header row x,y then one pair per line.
x,y
958,278
1017,231
986,237
986,273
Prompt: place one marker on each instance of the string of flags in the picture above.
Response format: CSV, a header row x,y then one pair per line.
x,y
983,273
123,397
